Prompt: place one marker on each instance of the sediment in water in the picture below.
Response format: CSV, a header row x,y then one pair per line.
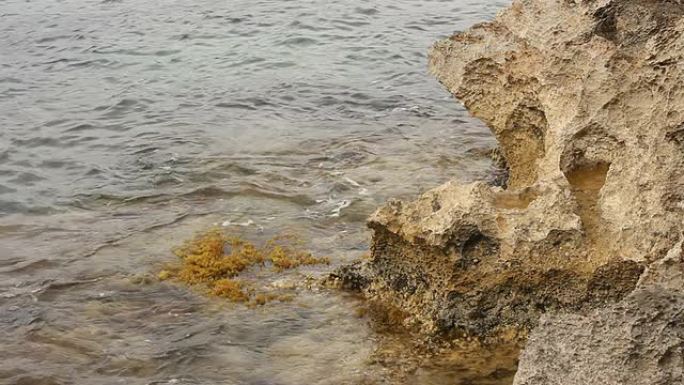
x,y
585,100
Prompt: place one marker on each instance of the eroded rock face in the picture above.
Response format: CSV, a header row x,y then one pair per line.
x,y
638,341
587,97
586,100
446,260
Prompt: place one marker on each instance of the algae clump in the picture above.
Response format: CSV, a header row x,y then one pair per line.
x,y
285,252
230,289
212,260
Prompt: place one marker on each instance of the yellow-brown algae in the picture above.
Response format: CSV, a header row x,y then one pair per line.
x,y
213,259
230,289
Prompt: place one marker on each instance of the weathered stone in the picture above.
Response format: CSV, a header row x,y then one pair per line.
x,y
585,99
585,96
638,341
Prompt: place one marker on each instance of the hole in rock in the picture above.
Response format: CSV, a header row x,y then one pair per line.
x,y
522,142
586,182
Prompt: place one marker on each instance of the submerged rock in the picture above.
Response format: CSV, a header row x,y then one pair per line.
x,y
585,99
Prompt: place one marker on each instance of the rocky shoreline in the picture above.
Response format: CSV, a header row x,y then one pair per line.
x,y
581,246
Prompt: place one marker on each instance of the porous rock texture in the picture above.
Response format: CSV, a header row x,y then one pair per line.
x,y
638,341
586,101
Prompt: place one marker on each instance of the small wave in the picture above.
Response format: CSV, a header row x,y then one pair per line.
x,y
419,111
352,182
299,41
229,19
6,190
28,266
122,107
8,79
341,205
300,25
37,142
351,23
55,61
188,36
88,63
366,11
146,149
55,163
80,127
416,27
50,39
253,189
53,289
132,52
204,192
238,106
279,64
246,62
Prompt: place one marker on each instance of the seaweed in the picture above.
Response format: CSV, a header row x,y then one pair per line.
x,y
230,289
213,260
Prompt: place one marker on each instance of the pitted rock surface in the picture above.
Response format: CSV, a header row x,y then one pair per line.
x,y
586,100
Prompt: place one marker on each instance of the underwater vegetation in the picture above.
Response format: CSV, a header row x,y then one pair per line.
x,y
213,261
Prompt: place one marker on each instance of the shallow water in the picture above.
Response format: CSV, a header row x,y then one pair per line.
x,y
126,126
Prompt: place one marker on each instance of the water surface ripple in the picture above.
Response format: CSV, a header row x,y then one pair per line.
x,y
125,126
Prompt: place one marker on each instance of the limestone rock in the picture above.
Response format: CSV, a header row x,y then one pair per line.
x,y
638,341
586,100
585,96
